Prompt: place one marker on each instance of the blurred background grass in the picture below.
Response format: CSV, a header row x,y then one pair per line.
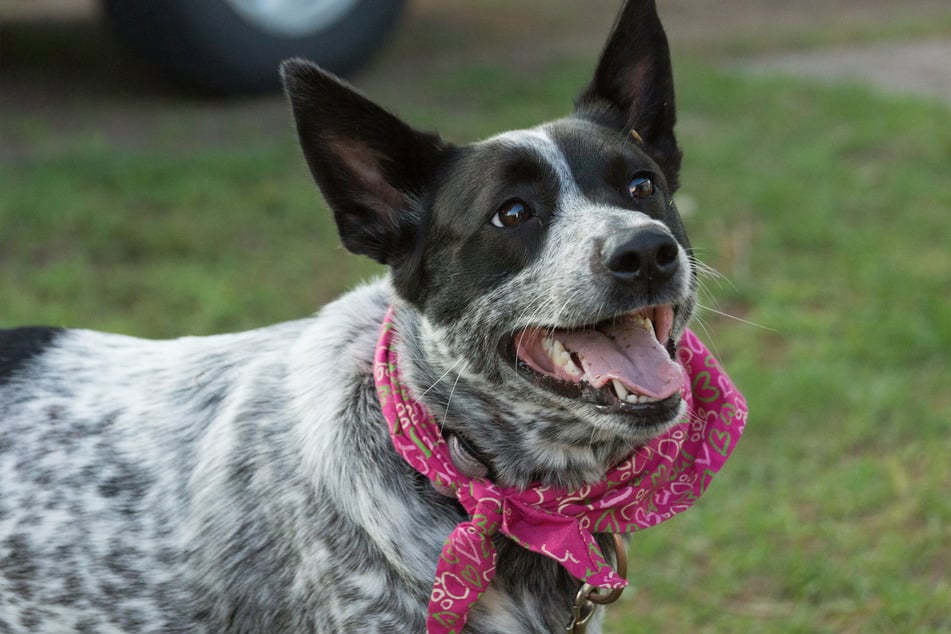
x,y
125,206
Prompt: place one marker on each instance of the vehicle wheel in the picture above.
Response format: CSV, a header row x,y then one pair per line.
x,y
235,46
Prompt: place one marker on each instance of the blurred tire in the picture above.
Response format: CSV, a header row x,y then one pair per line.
x,y
235,46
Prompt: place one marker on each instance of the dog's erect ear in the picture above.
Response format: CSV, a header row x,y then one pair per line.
x,y
371,167
633,86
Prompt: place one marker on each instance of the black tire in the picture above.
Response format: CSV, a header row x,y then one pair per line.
x,y
208,45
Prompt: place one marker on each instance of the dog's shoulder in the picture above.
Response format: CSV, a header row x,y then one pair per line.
x,y
19,346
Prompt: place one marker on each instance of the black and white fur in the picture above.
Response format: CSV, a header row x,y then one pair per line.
x,y
247,483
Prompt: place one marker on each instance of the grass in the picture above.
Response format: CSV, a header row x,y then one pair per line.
x,y
826,210
162,245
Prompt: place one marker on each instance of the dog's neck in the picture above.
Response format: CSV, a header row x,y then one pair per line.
x,y
466,404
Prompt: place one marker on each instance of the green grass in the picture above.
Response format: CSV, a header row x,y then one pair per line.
x,y
827,211
159,245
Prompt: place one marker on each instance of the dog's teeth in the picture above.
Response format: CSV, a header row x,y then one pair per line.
x,y
622,392
561,357
631,397
643,322
639,399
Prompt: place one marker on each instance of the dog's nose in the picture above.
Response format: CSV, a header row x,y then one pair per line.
x,y
644,255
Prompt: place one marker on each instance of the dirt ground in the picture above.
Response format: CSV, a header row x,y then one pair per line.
x,y
58,65
900,68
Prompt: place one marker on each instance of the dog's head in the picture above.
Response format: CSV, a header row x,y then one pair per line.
x,y
550,263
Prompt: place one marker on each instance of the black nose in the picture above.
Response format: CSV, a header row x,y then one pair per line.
x,y
644,255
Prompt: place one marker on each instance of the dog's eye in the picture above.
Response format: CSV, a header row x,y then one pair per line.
x,y
511,214
641,186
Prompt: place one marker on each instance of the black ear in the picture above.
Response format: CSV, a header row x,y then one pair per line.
x,y
371,167
633,86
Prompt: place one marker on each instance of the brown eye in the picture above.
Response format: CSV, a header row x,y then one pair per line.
x,y
511,214
641,186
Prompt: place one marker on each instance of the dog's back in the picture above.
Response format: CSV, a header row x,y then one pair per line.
x,y
107,444
144,481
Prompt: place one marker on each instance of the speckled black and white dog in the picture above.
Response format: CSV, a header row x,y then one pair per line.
x,y
247,482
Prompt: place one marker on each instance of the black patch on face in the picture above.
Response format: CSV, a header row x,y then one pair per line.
x,y
19,345
465,254
603,162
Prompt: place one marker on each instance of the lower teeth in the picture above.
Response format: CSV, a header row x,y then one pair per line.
x,y
622,393
639,399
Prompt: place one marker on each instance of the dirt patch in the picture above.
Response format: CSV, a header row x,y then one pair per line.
x,y
899,68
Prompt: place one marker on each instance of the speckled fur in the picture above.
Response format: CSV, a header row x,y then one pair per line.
x,y
247,483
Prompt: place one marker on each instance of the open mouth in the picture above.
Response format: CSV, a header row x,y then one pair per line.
x,y
624,364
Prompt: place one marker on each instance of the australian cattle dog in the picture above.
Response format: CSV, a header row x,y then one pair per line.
x,y
538,289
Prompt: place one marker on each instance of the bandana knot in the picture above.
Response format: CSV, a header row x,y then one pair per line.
x,y
657,481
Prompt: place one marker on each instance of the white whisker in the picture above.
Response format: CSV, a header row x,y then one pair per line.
x,y
452,391
446,373
735,318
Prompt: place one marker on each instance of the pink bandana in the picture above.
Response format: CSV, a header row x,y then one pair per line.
x,y
656,482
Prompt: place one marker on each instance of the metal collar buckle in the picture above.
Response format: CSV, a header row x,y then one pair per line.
x,y
590,597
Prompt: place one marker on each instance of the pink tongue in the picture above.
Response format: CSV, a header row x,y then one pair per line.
x,y
633,356
628,353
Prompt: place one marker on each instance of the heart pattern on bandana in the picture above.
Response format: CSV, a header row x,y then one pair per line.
x,y
703,390
659,480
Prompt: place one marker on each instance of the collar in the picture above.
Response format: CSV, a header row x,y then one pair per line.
x,y
657,481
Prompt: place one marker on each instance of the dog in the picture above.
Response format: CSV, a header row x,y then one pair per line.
x,y
247,482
